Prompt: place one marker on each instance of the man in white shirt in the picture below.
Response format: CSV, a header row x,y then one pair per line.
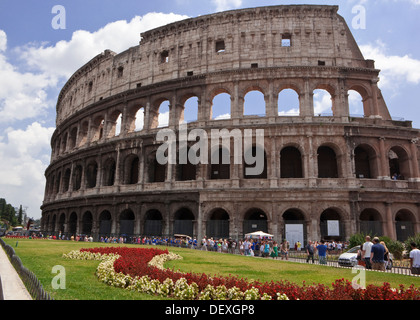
x,y
414,259
366,251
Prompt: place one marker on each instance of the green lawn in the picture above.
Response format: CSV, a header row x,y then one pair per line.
x,y
41,256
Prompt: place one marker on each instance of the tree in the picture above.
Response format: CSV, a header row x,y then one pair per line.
x,y
20,215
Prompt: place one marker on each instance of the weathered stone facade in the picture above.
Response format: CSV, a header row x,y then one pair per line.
x,y
104,180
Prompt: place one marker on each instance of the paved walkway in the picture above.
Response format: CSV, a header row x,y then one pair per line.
x,y
12,285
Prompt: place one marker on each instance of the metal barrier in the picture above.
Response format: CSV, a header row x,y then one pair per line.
x,y
31,282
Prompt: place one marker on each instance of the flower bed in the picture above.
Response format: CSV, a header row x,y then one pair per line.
x,y
142,270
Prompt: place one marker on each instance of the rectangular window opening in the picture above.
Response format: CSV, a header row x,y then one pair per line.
x,y
220,46
254,65
286,40
321,63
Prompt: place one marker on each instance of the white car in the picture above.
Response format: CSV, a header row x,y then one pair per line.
x,y
349,258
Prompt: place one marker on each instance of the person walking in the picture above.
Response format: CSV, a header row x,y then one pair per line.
x,y
322,252
284,250
310,252
274,253
414,259
377,255
366,251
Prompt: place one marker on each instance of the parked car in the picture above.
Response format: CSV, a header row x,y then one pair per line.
x,y
349,258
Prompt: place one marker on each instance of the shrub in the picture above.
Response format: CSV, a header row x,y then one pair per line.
x,y
415,239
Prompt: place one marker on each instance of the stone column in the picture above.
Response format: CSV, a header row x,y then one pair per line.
x,y
384,159
389,221
414,160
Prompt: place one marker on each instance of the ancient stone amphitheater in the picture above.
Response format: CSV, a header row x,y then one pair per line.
x,y
325,176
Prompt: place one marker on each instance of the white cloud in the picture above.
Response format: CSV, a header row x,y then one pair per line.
x,y
394,69
65,57
3,41
24,158
322,102
222,5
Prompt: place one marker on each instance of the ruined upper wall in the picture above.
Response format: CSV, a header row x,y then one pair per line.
x,y
275,36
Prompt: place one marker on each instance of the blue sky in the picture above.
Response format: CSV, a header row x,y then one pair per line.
x,y
36,60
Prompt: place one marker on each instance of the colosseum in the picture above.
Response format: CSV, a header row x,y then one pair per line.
x,y
326,175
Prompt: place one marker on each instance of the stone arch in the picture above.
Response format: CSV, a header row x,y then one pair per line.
x,y
221,104
329,166
153,223
399,162
220,163
126,221
291,162
109,171
114,123
331,223
105,223
218,223
131,169
72,224
66,180
405,221
189,111
77,177
288,101
255,219
249,167
87,223
91,174
371,222
366,162
184,221
254,101
294,226
365,95
97,128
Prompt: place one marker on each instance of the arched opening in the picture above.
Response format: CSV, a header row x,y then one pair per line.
x,y
58,183
83,134
61,223
331,226
399,163
356,108
322,103
218,224
54,223
291,163
153,223
294,227
255,220
98,127
105,224
109,172
404,225
139,120
220,164
163,117
91,174
327,163
364,162
72,138
77,177
255,163
127,223
64,144
254,103
131,169
183,222
87,222
185,171
156,171
73,223
288,103
370,222
190,111
114,124
66,180
221,107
